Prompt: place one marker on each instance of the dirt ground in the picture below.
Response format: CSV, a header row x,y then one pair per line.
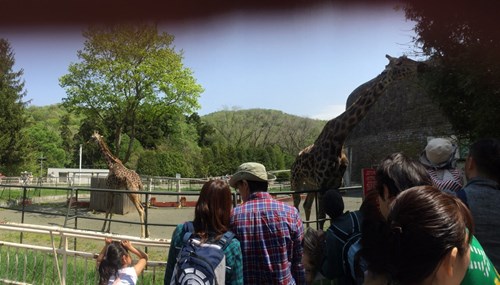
x,y
161,220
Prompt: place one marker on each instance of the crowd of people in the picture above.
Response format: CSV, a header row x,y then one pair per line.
x,y
425,222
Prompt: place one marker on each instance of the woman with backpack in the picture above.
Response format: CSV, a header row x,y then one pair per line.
x,y
210,227
115,262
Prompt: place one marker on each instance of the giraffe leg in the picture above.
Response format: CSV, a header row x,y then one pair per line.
x,y
140,209
321,209
296,200
109,212
308,205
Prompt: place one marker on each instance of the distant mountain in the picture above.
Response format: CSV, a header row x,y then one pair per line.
x,y
263,127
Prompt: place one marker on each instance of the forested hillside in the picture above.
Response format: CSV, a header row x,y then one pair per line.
x,y
193,146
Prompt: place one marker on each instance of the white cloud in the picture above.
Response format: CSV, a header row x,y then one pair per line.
x,y
329,112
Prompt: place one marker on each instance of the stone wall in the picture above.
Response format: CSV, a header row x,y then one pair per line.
x,y
401,120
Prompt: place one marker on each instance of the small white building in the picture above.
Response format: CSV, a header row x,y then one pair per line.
x,y
74,175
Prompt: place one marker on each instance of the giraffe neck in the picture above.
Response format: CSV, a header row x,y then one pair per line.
x,y
339,128
110,159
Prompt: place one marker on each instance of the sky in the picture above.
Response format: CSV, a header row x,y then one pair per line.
x,y
303,62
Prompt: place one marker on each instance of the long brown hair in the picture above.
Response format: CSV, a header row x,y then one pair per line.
x,y
213,209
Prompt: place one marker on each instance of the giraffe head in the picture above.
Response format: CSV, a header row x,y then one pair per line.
x,y
401,67
96,137
99,140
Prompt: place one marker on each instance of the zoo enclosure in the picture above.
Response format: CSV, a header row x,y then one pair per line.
x,y
31,191
34,264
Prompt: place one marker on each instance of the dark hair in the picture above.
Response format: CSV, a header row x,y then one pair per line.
x,y
112,262
486,154
257,186
423,225
213,209
334,204
398,172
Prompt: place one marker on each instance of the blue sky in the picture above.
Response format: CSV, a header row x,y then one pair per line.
x,y
303,62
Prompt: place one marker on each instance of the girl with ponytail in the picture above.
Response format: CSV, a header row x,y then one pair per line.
x,y
115,262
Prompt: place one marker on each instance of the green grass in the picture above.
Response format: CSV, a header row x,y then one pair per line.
x,y
23,265
85,245
17,193
35,267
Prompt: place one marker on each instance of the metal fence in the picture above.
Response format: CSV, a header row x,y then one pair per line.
x,y
23,263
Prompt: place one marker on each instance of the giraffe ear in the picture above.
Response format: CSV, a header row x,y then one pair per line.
x,y
390,58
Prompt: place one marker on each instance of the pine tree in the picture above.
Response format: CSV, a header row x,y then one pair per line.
x,y
12,113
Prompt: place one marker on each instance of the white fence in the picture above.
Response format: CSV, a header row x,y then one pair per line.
x,y
56,263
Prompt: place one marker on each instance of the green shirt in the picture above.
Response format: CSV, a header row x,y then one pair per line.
x,y
481,270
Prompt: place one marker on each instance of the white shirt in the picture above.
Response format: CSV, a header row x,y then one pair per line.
x,y
126,276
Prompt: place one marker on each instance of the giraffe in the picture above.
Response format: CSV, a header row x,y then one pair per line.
x,y
119,177
320,166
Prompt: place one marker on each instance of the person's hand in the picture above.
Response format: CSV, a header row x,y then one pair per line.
x,y
108,241
126,244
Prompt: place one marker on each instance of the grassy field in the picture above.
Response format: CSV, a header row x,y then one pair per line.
x,y
36,267
41,268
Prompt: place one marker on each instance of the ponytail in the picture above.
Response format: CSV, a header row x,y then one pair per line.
x,y
111,262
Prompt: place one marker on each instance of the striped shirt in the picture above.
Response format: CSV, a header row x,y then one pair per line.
x,y
446,179
271,234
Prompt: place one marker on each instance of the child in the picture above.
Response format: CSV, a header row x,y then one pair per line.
x,y
115,262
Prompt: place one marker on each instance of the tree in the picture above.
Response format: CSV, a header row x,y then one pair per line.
x,y
260,128
13,145
66,136
464,42
45,142
129,73
203,129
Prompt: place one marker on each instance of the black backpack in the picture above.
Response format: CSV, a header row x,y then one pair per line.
x,y
201,263
343,244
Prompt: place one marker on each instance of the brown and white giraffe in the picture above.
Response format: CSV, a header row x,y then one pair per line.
x,y
318,166
122,178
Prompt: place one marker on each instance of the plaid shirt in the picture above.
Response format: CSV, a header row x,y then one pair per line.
x,y
270,234
232,252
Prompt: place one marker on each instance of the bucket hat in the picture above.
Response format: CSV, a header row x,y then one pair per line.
x,y
251,171
438,153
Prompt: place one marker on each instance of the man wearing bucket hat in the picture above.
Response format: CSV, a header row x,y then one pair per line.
x,y
270,232
440,161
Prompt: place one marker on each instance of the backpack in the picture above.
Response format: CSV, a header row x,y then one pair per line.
x,y
200,263
343,238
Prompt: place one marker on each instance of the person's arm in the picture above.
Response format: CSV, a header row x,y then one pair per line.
x,y
100,257
298,271
143,257
234,259
172,253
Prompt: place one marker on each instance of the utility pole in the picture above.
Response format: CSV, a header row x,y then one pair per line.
x,y
41,159
80,166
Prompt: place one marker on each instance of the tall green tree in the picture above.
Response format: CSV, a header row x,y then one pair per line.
x,y
46,143
463,39
66,136
129,73
13,144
